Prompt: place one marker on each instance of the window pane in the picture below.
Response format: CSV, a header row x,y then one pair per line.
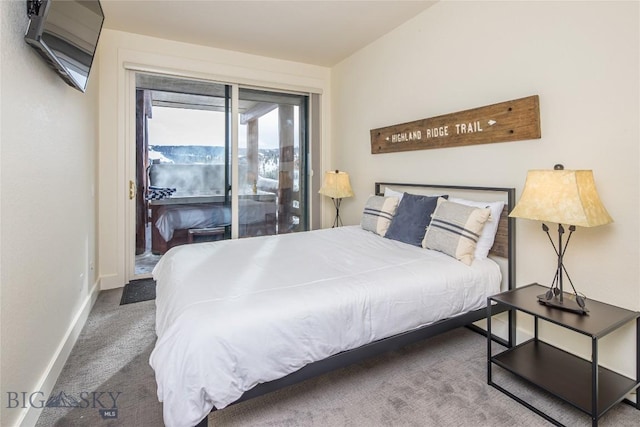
x,y
272,147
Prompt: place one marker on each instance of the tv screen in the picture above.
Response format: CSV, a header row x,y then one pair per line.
x,y
65,33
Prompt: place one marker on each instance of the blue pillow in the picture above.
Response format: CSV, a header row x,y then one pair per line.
x,y
412,217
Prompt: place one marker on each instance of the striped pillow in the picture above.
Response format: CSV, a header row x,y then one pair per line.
x,y
455,229
377,214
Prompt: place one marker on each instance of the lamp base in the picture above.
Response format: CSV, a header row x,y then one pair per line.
x,y
568,303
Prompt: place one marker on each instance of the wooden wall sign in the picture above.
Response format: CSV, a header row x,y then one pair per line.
x,y
507,121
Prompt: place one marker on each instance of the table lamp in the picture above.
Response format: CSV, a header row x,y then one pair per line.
x,y
337,186
564,197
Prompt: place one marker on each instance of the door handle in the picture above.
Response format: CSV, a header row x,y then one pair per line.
x,y
132,190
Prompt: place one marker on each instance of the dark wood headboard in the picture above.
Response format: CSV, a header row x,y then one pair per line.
x,y
504,244
501,243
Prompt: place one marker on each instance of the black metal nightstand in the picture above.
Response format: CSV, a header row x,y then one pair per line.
x,y
584,384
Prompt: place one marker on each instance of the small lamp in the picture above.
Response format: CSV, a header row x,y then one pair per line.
x,y
565,197
337,186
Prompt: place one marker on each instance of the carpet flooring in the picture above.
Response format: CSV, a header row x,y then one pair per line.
x,y
438,382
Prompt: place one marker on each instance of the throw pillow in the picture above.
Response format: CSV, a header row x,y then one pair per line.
x,y
377,214
490,228
455,230
411,219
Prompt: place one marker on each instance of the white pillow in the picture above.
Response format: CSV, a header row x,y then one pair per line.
x,y
389,192
490,227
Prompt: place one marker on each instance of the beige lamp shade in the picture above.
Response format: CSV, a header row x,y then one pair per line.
x,y
336,185
561,196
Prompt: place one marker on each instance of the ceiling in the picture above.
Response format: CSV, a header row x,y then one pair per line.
x,y
308,31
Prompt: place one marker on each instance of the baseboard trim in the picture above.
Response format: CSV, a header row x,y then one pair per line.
x,y
30,415
499,325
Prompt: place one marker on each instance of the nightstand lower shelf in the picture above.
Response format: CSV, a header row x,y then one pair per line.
x,y
564,375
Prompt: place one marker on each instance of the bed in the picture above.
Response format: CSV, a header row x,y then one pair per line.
x,y
349,293
184,197
172,218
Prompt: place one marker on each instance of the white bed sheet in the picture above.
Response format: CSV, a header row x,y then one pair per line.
x,y
236,313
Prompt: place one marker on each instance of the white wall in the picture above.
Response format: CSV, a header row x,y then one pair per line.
x,y
48,183
121,50
581,58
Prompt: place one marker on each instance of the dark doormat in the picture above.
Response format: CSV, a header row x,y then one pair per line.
x,y
138,290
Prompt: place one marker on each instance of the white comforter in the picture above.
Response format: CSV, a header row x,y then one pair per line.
x,y
236,313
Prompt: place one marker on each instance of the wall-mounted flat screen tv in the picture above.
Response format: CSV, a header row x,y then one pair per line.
x,y
66,33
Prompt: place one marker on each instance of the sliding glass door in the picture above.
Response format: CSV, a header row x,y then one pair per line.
x,y
184,164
